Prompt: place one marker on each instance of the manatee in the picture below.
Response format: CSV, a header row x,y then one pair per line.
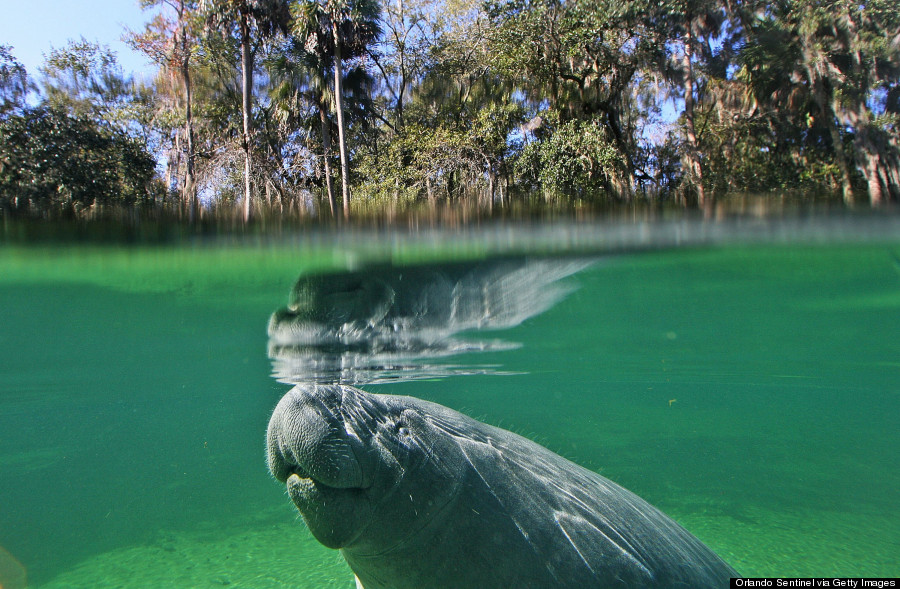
x,y
418,496
494,294
382,322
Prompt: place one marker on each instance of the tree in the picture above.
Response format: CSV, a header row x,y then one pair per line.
x,y
580,58
169,41
300,81
693,25
14,82
411,30
85,79
53,162
247,21
334,31
464,96
837,65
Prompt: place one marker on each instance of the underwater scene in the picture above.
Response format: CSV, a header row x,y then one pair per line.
x,y
748,387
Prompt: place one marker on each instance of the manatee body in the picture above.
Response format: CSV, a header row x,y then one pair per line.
x,y
418,496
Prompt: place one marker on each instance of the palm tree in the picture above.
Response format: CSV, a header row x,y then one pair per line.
x,y
299,80
840,52
695,22
335,30
247,20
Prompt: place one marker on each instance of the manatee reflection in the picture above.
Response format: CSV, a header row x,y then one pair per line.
x,y
386,323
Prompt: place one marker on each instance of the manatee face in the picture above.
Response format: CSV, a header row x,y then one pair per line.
x,y
344,455
339,299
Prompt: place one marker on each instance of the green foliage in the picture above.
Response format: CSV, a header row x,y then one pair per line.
x,y
85,79
414,159
52,162
14,84
238,17
798,113
357,24
581,59
576,158
444,159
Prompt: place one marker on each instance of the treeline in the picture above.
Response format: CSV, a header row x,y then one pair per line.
x,y
325,107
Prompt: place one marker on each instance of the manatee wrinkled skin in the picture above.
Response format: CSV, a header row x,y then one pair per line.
x,y
418,496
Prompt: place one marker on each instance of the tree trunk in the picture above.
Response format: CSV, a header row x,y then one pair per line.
x,y
696,172
875,155
868,150
326,146
190,191
190,194
246,90
491,183
172,162
402,14
837,141
876,195
829,114
339,107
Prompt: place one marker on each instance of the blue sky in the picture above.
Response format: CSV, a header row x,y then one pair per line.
x,y
33,27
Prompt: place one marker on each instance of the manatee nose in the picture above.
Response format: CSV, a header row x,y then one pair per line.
x,y
281,459
280,463
306,436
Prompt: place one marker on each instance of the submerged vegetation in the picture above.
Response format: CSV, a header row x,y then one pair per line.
x,y
330,107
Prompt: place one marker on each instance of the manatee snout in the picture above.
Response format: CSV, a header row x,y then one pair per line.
x,y
307,437
324,468
341,298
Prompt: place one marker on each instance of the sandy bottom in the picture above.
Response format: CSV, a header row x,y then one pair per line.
x,y
280,555
760,543
273,557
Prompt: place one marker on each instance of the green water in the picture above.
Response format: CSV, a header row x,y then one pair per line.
x,y
751,392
